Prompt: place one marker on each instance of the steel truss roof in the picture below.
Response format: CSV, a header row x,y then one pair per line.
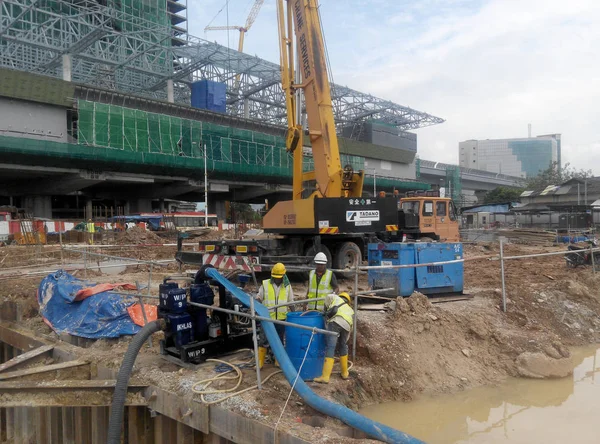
x,y
112,49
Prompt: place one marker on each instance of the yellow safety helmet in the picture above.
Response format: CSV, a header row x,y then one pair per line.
x,y
345,295
278,270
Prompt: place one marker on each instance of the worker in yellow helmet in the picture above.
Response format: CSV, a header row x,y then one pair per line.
x,y
274,291
339,316
91,229
321,282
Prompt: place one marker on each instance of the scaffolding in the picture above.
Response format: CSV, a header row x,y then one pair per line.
x,y
140,47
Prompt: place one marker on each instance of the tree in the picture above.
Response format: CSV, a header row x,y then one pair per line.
x,y
243,212
502,195
554,175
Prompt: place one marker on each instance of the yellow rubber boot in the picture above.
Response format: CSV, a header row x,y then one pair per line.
x,y
344,365
262,353
327,368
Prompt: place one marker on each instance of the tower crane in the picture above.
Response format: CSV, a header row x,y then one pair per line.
x,y
243,29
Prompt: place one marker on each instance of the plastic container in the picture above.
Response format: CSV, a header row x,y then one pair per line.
x,y
296,343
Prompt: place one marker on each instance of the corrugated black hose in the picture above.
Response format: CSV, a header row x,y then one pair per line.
x,y
120,394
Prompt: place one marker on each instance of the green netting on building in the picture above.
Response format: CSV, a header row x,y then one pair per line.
x,y
229,150
132,135
453,183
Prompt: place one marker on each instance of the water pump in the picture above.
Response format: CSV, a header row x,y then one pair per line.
x,y
193,334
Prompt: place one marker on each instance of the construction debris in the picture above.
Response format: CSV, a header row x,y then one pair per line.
x,y
138,236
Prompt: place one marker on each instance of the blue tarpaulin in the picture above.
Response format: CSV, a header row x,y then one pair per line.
x,y
103,315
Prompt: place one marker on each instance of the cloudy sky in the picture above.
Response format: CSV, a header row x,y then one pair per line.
x,y
488,67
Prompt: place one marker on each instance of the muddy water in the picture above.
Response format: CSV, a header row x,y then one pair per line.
x,y
519,411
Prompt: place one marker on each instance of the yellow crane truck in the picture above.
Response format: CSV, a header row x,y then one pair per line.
x,y
335,218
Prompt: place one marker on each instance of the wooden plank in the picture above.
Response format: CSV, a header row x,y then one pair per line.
x,y
9,335
193,414
67,384
242,430
44,369
22,358
371,307
442,299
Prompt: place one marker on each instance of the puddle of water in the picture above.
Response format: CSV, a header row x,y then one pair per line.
x,y
518,411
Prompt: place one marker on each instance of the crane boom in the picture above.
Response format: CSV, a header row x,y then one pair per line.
x,y
253,14
300,19
331,179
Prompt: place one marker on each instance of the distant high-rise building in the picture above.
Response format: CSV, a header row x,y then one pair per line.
x,y
525,157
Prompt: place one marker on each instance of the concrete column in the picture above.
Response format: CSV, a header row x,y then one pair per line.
x,y
217,207
140,206
88,209
162,205
66,67
170,93
246,108
127,208
38,206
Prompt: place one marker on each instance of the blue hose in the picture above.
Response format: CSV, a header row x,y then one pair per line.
x,y
350,417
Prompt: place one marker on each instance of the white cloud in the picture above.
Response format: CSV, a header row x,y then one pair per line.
x,y
488,67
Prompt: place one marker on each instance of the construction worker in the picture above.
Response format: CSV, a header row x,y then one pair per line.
x,y
321,282
274,291
91,229
339,316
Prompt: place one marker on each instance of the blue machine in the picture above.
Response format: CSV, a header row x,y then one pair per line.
x,y
181,328
207,94
296,343
401,279
193,336
432,279
200,294
173,300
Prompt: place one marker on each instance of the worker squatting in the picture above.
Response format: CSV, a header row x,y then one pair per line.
x,y
322,284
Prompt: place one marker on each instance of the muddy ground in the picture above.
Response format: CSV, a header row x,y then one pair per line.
x,y
412,348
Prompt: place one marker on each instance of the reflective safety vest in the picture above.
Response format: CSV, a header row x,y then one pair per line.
x,y
270,299
344,311
91,228
321,291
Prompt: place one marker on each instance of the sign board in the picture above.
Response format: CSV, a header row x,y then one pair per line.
x,y
362,216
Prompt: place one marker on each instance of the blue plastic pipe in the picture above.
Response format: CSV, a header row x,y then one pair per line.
x,y
350,417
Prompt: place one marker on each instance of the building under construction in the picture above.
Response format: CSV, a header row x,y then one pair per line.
x,y
95,95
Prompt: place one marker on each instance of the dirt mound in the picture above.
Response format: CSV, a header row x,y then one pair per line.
x,y
538,365
138,236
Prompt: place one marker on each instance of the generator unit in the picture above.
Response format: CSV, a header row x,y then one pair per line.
x,y
429,280
192,335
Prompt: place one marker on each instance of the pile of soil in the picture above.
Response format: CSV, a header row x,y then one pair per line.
x,y
137,235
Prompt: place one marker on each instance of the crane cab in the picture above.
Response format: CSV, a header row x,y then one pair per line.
x,y
430,215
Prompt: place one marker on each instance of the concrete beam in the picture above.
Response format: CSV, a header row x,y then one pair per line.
x,y
250,193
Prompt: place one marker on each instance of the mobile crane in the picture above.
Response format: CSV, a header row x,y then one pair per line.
x,y
335,218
